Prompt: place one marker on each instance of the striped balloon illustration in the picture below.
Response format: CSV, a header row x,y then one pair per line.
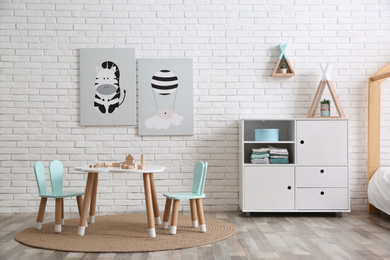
x,y
164,82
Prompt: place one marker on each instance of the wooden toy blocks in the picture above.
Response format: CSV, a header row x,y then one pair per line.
x,y
129,163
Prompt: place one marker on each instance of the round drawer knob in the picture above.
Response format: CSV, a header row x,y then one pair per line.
x,y
289,187
322,171
322,193
302,142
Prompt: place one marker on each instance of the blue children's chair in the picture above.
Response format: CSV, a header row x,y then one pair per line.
x,y
56,176
195,198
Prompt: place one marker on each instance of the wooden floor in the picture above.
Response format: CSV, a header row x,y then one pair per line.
x,y
355,236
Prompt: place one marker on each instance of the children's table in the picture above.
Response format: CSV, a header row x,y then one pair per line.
x,y
152,211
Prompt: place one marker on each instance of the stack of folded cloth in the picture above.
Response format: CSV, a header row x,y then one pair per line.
x,y
260,155
278,155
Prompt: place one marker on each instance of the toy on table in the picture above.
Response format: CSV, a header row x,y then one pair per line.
x,y
128,164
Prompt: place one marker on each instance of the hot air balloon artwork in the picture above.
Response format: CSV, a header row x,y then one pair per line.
x,y
165,97
107,87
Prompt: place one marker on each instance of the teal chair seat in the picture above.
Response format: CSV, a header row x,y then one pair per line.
x,y
61,194
56,177
195,198
183,196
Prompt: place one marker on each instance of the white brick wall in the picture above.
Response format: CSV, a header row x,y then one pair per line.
x,y
234,48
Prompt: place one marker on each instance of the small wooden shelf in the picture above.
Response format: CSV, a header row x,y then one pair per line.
x,y
283,60
325,81
283,74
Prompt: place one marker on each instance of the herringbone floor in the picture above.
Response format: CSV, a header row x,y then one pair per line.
x,y
356,235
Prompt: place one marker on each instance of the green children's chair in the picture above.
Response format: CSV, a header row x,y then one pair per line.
x,y
195,198
56,177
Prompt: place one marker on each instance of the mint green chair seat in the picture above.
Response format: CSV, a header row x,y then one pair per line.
x,y
195,197
56,177
184,196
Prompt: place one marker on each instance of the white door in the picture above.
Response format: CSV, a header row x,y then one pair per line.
x,y
268,188
322,142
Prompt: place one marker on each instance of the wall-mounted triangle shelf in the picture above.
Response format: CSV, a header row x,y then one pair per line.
x,y
281,63
325,81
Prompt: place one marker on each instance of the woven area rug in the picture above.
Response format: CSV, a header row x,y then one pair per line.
x,y
123,234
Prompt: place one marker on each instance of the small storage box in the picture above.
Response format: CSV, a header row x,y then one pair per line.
x,y
269,135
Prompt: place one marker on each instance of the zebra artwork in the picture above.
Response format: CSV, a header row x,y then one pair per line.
x,y
108,92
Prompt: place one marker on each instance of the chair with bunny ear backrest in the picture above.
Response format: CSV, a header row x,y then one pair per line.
x,y
195,197
56,177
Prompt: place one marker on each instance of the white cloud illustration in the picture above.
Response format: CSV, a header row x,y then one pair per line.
x,y
158,123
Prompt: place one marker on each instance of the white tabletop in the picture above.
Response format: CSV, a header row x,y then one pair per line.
x,y
148,169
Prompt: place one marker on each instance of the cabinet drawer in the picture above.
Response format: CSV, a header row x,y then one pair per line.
x,y
322,198
322,177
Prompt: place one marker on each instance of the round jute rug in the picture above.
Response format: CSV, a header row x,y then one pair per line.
x,y
123,234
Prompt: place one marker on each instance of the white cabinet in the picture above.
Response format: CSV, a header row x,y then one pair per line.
x,y
316,178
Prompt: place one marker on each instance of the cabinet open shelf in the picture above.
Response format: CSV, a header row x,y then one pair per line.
x,y
283,60
290,146
286,129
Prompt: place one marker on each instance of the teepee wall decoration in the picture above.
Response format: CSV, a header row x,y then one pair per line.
x,y
325,81
283,63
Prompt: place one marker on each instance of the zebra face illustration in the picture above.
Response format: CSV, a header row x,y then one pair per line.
x,y
106,82
107,88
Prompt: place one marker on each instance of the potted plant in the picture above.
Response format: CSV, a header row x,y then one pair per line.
x,y
283,68
325,107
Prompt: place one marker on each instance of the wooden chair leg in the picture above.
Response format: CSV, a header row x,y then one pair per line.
x,y
62,212
167,211
175,214
80,204
57,227
41,213
202,222
193,213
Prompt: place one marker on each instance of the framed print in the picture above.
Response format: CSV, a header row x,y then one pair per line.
x,y
165,96
107,87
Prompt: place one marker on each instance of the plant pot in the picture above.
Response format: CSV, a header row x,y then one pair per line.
x,y
325,109
284,71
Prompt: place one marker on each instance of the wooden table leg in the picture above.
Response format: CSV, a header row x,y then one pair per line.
x,y
92,209
149,205
156,211
193,213
79,204
87,200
